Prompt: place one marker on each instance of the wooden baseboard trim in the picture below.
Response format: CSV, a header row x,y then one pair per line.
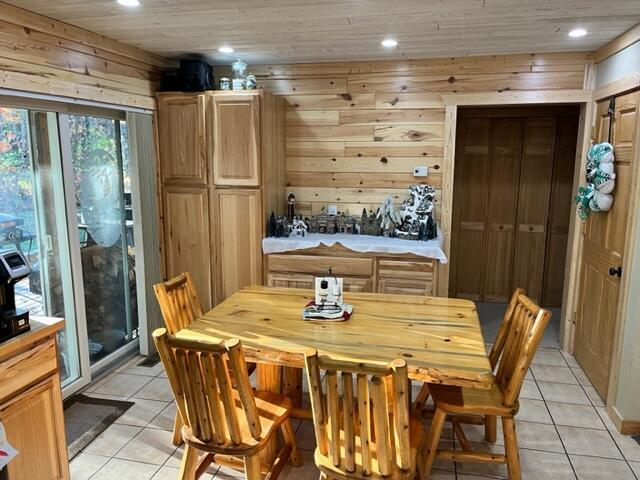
x,y
624,426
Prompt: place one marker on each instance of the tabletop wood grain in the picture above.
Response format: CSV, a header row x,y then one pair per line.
x,y
440,338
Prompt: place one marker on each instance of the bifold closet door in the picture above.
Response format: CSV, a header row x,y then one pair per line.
x,y
559,210
502,208
470,207
533,204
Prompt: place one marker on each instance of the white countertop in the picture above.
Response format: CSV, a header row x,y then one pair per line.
x,y
357,243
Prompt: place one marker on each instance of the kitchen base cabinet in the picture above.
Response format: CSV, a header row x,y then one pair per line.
x,y
31,403
362,272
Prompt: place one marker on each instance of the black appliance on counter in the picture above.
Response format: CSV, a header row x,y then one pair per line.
x,y
13,268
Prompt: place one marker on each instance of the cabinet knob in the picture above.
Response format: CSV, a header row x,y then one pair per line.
x,y
615,272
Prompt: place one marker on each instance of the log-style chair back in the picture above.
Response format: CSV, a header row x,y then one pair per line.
x,y
501,338
179,302
522,337
199,373
376,434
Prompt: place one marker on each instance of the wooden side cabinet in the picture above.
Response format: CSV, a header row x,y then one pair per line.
x,y
361,272
31,403
182,143
188,238
238,250
236,139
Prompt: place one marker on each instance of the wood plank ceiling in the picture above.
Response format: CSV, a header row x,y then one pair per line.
x,y
289,31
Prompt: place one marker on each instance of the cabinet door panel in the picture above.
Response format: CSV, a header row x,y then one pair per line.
x,y
290,280
239,248
182,139
405,287
236,139
533,204
188,237
34,426
502,209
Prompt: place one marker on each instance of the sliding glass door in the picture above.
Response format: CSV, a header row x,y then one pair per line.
x,y
65,203
105,237
33,220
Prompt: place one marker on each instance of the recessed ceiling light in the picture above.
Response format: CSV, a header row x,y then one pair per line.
x,y
129,3
225,49
389,43
577,32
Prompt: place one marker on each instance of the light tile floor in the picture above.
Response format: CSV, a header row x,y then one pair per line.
x,y
563,432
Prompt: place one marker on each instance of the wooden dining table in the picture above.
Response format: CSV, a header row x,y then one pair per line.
x,y
439,338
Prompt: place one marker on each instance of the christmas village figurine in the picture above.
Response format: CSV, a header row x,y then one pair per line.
x,y
414,220
291,207
416,214
298,227
278,226
389,218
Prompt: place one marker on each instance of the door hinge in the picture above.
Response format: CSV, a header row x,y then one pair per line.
x,y
612,112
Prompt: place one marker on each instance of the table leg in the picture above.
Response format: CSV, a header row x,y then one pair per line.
x,y
270,380
292,385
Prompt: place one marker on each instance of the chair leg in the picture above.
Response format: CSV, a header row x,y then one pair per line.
x,y
290,438
511,448
189,463
433,439
422,397
177,430
252,468
490,428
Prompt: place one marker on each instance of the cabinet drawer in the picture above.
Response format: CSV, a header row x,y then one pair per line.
x,y
404,269
308,281
318,265
26,368
357,285
405,287
290,281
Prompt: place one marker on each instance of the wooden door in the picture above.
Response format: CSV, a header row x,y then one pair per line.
x,y
34,425
533,205
240,228
187,239
502,208
236,139
182,139
507,190
470,207
604,241
559,210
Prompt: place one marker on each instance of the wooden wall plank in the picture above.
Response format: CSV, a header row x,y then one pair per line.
x,y
361,164
409,133
341,101
362,180
397,117
313,117
41,55
341,133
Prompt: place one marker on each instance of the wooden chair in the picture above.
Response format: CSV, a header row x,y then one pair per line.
x,y
179,302
521,339
369,435
180,306
490,421
233,424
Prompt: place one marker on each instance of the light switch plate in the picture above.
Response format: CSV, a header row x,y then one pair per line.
x,y
421,171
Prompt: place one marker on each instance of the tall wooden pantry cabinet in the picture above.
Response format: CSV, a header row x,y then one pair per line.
x,y
222,172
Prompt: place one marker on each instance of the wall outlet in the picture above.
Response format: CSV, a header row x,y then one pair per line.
x,y
332,209
421,171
